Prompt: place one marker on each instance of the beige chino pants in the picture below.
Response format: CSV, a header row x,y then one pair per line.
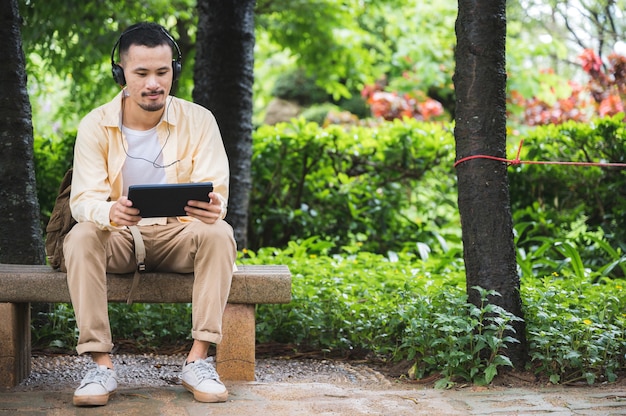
x,y
209,250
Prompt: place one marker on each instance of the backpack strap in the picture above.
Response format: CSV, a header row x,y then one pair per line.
x,y
140,255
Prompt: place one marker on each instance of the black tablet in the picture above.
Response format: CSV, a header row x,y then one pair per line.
x,y
167,200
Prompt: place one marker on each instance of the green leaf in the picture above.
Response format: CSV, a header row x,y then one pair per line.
x,y
490,372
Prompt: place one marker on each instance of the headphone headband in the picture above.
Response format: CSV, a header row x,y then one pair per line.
x,y
118,71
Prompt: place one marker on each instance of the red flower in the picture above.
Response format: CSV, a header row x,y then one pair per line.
x,y
611,105
591,61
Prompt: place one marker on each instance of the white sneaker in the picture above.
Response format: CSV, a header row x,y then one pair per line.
x,y
200,378
96,388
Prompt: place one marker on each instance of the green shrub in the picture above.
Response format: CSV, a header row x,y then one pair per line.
x,y
565,200
53,157
54,326
356,105
363,184
297,86
317,113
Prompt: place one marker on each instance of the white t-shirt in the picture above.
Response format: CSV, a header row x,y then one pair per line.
x,y
144,158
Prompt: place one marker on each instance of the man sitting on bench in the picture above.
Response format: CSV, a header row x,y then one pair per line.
x,y
146,136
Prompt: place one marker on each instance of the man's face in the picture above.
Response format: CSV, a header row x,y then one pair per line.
x,y
148,73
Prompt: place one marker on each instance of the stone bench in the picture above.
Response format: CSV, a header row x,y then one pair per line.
x,y
235,356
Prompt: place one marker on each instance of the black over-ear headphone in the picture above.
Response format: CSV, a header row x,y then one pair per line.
x,y
118,71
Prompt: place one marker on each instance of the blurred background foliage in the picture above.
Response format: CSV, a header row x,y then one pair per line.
x,y
319,51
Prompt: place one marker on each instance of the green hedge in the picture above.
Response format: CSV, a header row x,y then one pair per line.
x,y
53,157
558,202
373,185
392,187
598,191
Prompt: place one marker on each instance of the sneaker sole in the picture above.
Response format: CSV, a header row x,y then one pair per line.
x,y
204,397
91,400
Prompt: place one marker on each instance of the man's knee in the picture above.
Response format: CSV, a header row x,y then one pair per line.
x,y
83,236
83,227
219,233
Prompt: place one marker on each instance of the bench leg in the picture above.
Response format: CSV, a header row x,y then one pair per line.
x,y
235,354
14,343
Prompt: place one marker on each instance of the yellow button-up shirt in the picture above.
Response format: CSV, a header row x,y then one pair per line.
x,y
193,151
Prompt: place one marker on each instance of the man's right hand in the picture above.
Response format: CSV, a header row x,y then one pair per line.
x,y
123,213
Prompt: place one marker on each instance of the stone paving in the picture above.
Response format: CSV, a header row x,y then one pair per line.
x,y
296,387
300,398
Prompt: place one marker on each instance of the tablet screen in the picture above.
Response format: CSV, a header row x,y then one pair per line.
x,y
167,200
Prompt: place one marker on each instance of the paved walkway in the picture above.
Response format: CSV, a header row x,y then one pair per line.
x,y
302,398
150,385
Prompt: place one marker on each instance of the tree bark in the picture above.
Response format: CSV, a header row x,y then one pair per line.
x,y
223,79
21,239
483,195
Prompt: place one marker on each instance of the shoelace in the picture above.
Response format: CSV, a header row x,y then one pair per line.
x,y
96,375
204,370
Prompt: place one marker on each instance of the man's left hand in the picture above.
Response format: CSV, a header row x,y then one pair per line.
x,y
207,212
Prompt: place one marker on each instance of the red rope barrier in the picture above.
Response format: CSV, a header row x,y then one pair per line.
x,y
517,161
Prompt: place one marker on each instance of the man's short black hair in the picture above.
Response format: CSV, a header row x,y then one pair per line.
x,y
145,34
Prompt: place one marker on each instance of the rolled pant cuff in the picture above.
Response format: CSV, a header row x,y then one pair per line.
x,y
93,347
207,336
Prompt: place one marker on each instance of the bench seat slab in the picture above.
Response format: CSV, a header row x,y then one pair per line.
x,y
235,357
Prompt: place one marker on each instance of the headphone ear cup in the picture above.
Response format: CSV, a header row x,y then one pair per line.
x,y
118,74
177,68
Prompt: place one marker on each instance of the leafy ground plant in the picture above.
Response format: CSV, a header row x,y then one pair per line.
x,y
391,305
402,308
576,330
473,346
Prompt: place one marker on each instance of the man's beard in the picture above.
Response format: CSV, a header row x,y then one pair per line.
x,y
152,106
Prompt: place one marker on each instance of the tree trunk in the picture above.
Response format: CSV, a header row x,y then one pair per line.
x,y
223,78
21,239
484,205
